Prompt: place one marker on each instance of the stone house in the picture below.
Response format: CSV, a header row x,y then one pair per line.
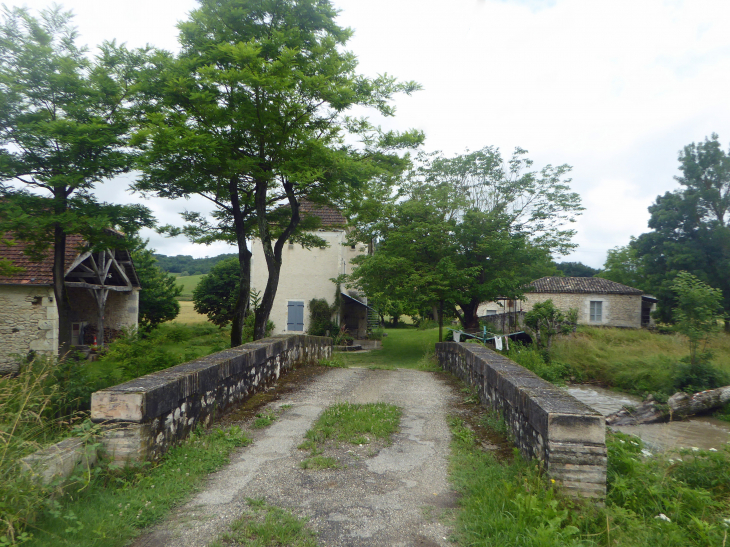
x,y
103,290
599,302
307,274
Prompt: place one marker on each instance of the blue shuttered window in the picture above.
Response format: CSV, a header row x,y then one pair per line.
x,y
295,316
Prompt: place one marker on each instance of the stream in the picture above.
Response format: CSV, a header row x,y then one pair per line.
x,y
700,432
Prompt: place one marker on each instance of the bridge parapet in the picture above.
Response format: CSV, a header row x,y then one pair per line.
x,y
547,423
148,415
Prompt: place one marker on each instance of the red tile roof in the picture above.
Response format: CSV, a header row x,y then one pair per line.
x,y
584,285
328,215
36,273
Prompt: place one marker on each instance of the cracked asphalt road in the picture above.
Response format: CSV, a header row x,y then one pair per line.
x,y
391,499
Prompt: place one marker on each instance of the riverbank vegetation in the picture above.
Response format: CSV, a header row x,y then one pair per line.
x,y
676,499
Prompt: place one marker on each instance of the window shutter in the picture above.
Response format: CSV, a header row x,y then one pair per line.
x,y
295,316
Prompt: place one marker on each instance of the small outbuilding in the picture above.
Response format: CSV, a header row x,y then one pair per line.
x,y
599,302
103,291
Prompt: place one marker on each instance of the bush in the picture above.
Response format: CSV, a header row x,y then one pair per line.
x,y
699,376
531,358
216,293
320,318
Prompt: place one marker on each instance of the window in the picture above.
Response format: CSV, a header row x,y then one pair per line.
x,y
295,316
596,311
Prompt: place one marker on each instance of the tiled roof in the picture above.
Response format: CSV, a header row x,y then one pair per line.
x,y
592,285
328,215
36,273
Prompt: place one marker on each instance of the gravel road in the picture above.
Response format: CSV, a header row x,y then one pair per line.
x,y
392,498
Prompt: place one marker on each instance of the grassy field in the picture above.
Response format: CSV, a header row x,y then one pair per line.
x,y
188,283
637,361
188,315
402,348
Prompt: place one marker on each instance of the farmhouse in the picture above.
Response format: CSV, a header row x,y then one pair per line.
x,y
599,301
307,274
103,291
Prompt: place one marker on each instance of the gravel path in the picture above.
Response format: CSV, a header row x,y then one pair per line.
x,y
390,499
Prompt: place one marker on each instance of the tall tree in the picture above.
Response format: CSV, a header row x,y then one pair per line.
x,y
623,265
576,269
487,230
158,298
689,228
62,130
254,119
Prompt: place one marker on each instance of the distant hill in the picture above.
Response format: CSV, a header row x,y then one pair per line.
x,y
187,265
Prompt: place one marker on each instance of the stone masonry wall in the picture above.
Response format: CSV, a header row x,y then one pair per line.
x,y
547,423
148,415
28,321
619,310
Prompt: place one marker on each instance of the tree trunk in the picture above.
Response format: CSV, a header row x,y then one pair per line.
x,y
59,283
435,313
441,321
244,261
680,405
271,253
470,319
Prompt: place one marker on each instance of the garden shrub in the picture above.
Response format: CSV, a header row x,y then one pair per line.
x,y
320,318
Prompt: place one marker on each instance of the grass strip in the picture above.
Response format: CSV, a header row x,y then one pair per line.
x,y
267,526
354,424
118,503
673,500
402,348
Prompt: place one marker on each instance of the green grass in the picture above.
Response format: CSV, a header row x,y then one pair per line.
x,y
268,526
319,462
117,504
633,360
402,348
516,503
354,424
264,419
188,283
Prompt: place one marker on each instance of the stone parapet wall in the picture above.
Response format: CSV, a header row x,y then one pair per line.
x,y
547,423
148,415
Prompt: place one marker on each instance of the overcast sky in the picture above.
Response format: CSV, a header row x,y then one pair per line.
x,y
614,88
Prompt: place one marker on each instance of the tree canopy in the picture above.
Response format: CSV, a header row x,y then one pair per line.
x,y
253,116
63,129
469,229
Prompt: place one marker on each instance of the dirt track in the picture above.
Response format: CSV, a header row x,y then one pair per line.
x,y
392,498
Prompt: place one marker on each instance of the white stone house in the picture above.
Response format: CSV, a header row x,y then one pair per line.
x,y
599,302
103,290
307,274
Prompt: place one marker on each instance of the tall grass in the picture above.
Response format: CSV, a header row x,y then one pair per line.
x,y
635,361
402,348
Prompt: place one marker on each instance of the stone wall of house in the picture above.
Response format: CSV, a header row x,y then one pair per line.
x,y
150,414
546,422
619,310
28,322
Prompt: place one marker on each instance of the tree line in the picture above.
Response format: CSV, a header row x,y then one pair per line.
x,y
187,265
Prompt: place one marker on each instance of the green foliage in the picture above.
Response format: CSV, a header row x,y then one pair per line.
x,y
158,297
533,359
402,348
264,419
264,525
187,265
545,321
690,228
576,269
217,292
117,503
472,228
319,462
320,318
698,311
623,265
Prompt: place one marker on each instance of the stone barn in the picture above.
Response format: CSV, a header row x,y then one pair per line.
x,y
599,302
103,290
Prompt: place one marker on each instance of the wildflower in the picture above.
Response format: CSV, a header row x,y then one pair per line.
x,y
646,452
695,449
662,516
622,441
726,522
713,449
552,481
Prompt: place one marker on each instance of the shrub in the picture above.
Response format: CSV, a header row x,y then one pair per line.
x,y
320,318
